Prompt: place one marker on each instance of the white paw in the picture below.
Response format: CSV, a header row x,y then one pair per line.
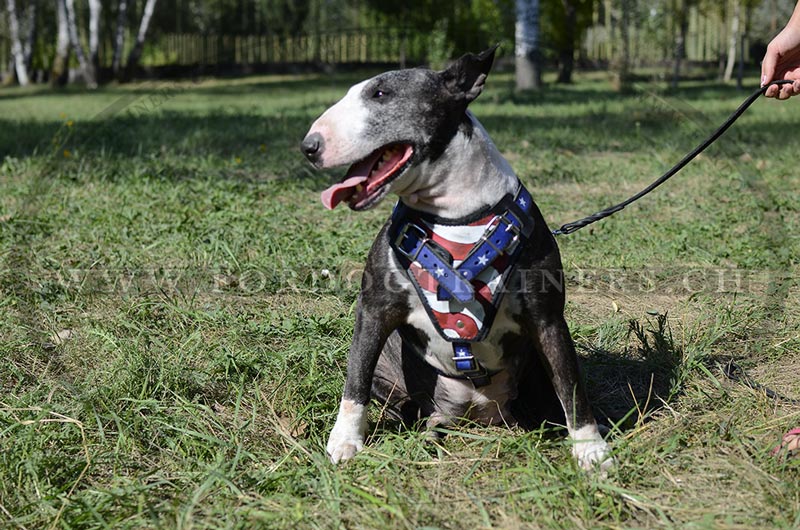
x,y
593,456
591,451
347,436
340,449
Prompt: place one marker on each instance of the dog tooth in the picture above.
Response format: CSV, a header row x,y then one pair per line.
x,y
359,188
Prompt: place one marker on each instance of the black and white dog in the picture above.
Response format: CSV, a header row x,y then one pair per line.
x,y
460,314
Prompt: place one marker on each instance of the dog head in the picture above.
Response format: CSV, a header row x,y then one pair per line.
x,y
387,125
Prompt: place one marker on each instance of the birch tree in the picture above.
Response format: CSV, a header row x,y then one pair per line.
x,y
30,40
733,39
72,25
17,53
119,36
528,64
136,52
58,73
94,34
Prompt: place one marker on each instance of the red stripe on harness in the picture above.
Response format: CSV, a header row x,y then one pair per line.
x,y
467,329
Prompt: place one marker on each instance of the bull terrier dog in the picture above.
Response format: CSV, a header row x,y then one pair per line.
x,y
461,309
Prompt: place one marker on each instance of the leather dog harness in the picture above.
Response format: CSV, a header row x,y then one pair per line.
x,y
459,268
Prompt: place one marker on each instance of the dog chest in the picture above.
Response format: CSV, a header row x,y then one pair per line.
x,y
438,352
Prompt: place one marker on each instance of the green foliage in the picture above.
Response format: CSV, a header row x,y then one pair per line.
x,y
555,36
246,17
440,50
463,26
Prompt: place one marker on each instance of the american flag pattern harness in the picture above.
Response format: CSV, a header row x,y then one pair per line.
x,y
459,269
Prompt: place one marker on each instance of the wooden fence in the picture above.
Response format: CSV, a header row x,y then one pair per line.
x,y
366,45
707,40
378,45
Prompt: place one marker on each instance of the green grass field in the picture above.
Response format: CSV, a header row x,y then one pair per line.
x,y
173,354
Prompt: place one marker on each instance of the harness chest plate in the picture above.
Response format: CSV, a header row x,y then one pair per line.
x,y
459,269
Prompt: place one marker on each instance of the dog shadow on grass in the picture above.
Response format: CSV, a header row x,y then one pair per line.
x,y
625,388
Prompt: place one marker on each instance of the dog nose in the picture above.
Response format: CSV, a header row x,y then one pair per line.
x,y
312,146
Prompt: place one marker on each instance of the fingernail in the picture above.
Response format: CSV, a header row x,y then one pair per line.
x,y
763,80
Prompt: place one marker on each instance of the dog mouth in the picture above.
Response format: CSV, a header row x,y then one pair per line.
x,y
366,181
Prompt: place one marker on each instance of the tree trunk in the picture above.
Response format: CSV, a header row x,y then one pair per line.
x,y
679,52
30,40
773,17
748,12
119,36
8,79
528,55
136,52
94,35
566,56
622,72
17,53
723,36
734,37
72,25
59,73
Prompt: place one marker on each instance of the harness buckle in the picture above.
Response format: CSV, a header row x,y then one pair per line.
x,y
509,226
514,229
421,235
473,365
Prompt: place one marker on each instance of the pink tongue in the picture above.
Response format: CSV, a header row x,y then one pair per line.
x,y
341,191
357,174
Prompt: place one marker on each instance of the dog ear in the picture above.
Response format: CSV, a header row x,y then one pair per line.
x,y
467,75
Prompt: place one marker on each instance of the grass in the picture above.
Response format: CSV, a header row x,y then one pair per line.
x,y
173,349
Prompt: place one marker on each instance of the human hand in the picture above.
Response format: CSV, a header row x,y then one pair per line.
x,y
782,61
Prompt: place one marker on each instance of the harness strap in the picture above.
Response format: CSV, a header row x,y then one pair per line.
x,y
412,239
469,366
502,237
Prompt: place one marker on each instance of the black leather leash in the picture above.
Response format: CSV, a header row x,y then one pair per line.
x,y
731,370
602,214
734,372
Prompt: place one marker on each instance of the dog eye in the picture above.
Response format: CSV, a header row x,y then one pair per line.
x,y
378,94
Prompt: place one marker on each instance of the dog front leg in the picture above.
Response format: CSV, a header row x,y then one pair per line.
x,y
558,354
347,436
